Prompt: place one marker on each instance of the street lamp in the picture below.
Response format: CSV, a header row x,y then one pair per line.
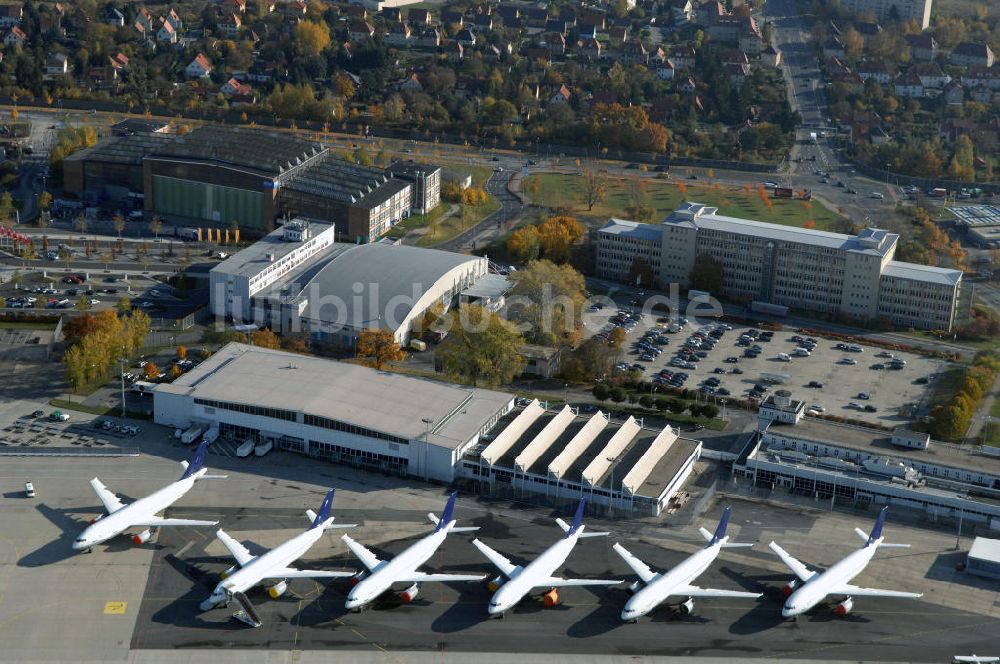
x,y
611,498
427,432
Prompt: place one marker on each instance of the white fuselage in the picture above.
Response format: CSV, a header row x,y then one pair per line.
x,y
265,566
389,572
532,576
817,588
140,511
664,585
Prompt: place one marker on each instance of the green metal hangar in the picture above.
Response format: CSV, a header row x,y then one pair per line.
x,y
221,175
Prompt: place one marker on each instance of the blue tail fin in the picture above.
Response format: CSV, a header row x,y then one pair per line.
x,y
197,462
324,510
446,514
877,530
577,519
720,531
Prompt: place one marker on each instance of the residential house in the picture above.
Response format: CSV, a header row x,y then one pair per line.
x,y
682,10
359,31
455,52
535,17
392,15
833,48
174,19
11,15
485,22
398,34
166,34
419,17
555,42
15,37
709,12
466,38
931,75
356,11
750,41
230,25
874,69
114,17
451,17
51,22
982,94
909,85
510,15
262,71
144,18
736,72
969,54
770,56
923,47
617,35
555,25
233,89
102,76
683,57
199,67
412,83
868,31
429,38
954,93
982,76
538,54
293,9
57,63
689,86
568,14
588,31
560,96
665,70
634,53
591,49
234,6
595,17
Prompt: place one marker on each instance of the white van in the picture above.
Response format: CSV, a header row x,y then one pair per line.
x,y
801,352
29,490
783,357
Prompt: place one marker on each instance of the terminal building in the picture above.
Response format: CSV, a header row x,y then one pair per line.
x,y
840,462
393,423
853,276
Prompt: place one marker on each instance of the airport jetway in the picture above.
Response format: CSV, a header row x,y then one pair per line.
x,y
574,448
593,473
513,431
544,439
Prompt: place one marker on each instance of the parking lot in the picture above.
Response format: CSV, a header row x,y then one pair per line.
x,y
64,290
863,382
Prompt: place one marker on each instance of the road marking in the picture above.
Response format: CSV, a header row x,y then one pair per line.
x,y
115,608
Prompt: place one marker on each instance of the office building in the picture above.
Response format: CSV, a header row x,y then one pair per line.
x,y
893,10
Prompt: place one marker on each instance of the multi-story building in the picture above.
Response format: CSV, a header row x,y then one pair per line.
x,y
900,10
426,181
853,276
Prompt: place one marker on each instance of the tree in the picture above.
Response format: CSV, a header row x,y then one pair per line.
x,y
546,303
6,207
557,235
80,225
151,371
155,226
182,352
174,372
82,304
119,223
601,392
265,339
45,201
481,347
707,274
124,305
311,38
522,245
640,273
78,327
617,394
380,346
595,187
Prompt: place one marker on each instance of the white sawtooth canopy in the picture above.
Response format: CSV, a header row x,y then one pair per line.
x,y
512,432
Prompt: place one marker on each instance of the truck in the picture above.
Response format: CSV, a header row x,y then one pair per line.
x,y
192,434
937,192
813,137
418,345
211,435
143,387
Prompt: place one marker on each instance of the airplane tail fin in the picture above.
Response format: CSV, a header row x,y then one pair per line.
x,y
876,533
720,531
577,518
446,514
197,461
324,510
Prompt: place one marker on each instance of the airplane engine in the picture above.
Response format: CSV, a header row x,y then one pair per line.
x,y
142,537
356,579
278,589
550,598
634,587
790,587
410,593
686,607
225,575
844,607
494,584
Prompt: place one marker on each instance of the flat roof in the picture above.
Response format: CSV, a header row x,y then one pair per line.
x,y
266,152
880,442
632,229
985,548
870,241
354,184
387,402
490,285
392,278
250,261
412,169
924,273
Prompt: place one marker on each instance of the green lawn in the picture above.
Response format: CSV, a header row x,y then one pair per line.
x,y
417,221
448,227
559,189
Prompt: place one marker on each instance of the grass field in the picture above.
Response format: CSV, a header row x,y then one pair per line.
x,y
558,189
444,229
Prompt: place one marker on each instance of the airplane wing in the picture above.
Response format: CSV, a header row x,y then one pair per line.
x,y
160,522
558,582
110,500
367,558
506,567
695,591
801,571
238,551
858,591
420,577
640,568
292,573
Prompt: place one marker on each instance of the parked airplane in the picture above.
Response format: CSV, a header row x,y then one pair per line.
x,y
251,570
678,581
538,573
142,513
382,574
815,586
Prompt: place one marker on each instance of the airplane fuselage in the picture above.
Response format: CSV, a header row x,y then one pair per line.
x,y
532,576
817,588
141,510
388,572
663,585
264,566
